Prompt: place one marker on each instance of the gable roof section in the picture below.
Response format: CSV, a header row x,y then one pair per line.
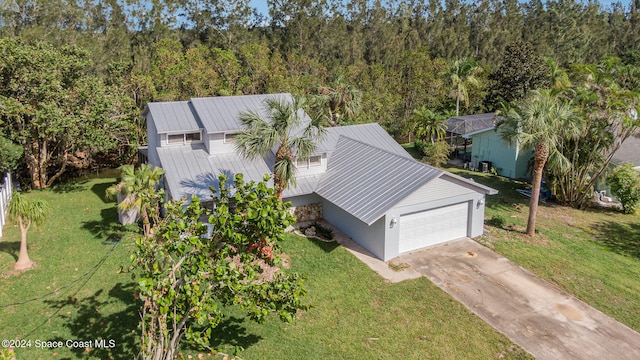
x,y
222,113
366,181
190,170
372,134
174,116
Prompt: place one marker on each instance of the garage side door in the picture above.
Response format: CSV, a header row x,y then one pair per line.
x,y
432,227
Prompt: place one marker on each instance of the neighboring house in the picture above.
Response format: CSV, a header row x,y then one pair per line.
x,y
629,152
487,146
359,179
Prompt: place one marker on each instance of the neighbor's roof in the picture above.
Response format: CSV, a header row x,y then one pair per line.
x,y
629,152
173,116
463,125
366,181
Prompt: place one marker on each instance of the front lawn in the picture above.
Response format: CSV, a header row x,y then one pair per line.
x,y
593,254
79,291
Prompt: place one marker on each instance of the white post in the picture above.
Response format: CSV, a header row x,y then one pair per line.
x,y
5,197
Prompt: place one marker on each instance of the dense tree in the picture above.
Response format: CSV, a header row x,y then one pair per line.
x,y
186,278
339,102
54,110
10,155
26,212
284,127
541,122
521,70
607,117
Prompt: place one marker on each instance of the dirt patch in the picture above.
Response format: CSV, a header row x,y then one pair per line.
x,y
570,312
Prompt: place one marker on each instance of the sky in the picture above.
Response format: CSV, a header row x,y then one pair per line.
x,y
261,5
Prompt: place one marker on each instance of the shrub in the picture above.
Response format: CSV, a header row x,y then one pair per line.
x,y
625,185
419,146
437,153
497,221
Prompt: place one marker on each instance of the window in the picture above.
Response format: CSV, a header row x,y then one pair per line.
x,y
191,137
176,139
301,163
230,137
315,160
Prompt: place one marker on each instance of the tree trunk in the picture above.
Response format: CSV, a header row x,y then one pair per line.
x,y
541,154
23,263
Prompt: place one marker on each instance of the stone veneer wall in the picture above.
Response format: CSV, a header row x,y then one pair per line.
x,y
307,212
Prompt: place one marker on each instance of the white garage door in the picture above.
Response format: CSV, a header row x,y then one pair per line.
x,y
432,227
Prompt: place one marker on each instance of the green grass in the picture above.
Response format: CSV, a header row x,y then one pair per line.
x,y
593,254
354,313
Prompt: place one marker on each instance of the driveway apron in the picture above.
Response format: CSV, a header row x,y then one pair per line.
x,y
545,321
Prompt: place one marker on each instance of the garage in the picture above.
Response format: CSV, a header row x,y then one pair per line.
x,y
435,226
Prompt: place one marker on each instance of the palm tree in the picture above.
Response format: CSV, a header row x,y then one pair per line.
x,y
284,127
541,122
26,212
461,75
137,191
429,124
341,101
559,78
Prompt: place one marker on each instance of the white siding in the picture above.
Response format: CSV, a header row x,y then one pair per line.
x,y
434,190
303,199
216,144
154,141
371,237
313,170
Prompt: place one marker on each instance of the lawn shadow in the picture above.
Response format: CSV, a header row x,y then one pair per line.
x,y
622,238
10,247
87,319
108,228
324,245
100,188
231,332
68,187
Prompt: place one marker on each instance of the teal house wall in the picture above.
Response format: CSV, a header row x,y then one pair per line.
x,y
508,160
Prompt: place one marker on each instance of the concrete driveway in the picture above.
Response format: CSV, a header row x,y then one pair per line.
x,y
545,321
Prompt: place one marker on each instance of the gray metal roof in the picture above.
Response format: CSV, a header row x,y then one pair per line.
x,y
629,152
372,134
173,116
222,113
463,125
366,181
190,170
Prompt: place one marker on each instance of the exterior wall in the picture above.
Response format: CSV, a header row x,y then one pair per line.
x,y
153,140
522,164
313,170
306,207
475,225
489,146
371,237
215,144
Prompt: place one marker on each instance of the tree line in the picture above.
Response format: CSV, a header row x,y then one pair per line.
x,y
109,58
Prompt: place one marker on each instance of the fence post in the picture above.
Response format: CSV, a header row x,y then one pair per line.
x,y
5,197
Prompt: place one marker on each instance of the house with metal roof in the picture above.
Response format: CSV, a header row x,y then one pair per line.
x,y
359,179
488,149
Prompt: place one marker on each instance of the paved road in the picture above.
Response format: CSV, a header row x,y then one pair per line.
x,y
545,321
